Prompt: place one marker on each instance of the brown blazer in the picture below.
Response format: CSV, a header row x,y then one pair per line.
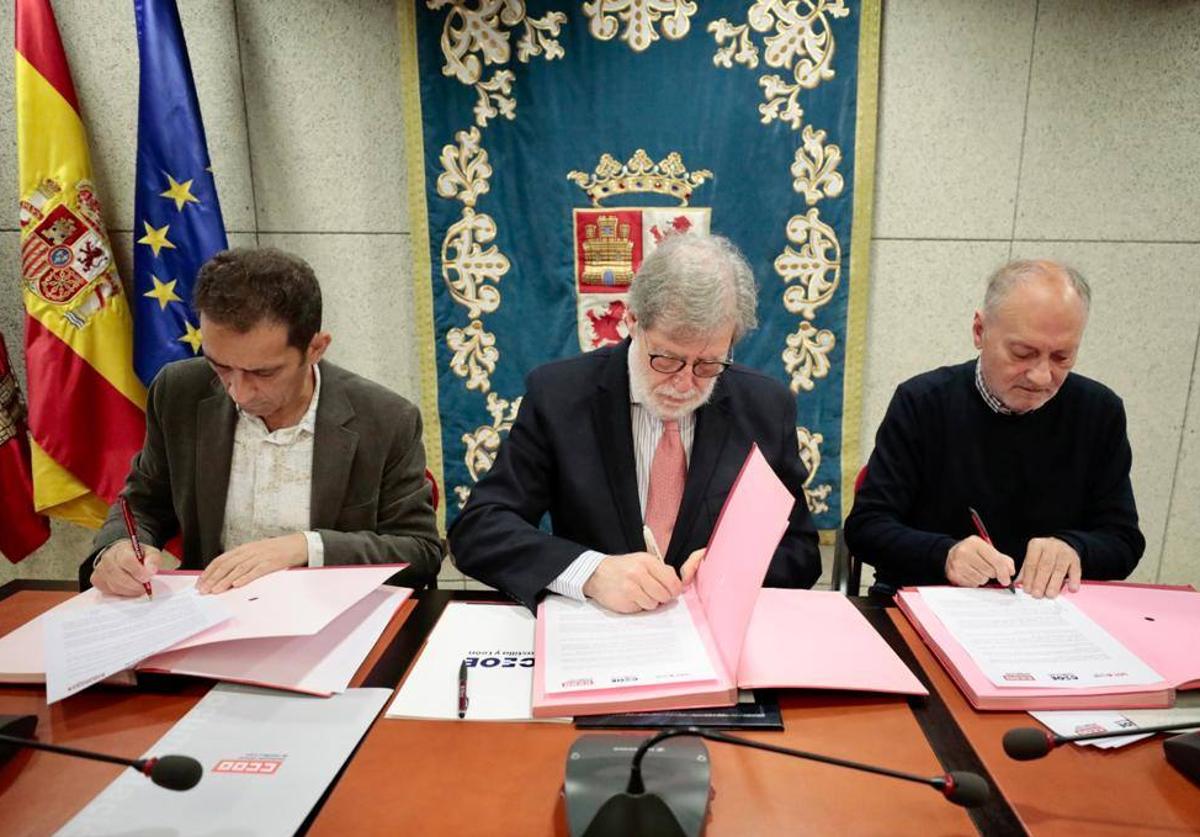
x,y
371,503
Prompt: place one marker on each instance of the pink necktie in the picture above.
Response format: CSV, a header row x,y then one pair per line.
x,y
668,470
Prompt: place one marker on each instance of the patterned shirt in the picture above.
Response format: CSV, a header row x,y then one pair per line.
x,y
270,481
988,398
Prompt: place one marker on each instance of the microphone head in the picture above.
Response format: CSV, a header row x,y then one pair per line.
x,y
175,772
966,789
1027,743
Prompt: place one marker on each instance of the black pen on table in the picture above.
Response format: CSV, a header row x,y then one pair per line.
x,y
463,700
131,528
982,530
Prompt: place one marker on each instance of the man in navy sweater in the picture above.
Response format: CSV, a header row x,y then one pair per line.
x,y
1041,454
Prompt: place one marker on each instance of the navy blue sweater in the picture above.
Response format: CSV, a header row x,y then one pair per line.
x,y
1061,471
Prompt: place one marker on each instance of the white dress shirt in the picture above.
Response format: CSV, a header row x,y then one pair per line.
x,y
647,430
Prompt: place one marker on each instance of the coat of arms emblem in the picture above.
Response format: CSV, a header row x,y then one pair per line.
x,y
65,257
611,241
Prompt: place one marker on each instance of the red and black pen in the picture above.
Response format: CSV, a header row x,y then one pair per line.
x,y
982,530
131,528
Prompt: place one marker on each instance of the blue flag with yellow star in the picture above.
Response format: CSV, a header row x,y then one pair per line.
x,y
177,218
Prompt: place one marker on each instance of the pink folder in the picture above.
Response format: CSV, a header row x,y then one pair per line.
x,y
319,664
750,526
719,692
1159,624
754,637
300,603
817,639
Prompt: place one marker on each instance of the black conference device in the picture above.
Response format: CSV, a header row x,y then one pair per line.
x,y
630,785
1183,753
171,772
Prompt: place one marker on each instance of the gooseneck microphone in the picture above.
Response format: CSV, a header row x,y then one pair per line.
x,y
1029,743
959,786
600,804
173,772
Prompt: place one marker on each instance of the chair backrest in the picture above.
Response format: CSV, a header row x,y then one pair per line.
x,y
846,575
436,494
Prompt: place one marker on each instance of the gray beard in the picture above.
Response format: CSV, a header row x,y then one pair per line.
x,y
641,392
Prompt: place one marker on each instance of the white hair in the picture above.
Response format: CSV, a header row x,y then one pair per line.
x,y
692,285
1007,277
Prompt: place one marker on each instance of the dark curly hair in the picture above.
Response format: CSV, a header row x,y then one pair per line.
x,y
243,287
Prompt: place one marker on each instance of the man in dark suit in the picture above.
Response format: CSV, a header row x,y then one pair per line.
x,y
652,431
262,455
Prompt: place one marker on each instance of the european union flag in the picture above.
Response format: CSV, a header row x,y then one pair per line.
x,y
177,218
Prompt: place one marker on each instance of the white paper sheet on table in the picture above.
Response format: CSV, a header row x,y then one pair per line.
x,y
85,645
1021,641
267,757
496,641
588,647
1186,709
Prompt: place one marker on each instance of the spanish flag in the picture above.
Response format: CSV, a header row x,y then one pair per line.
x,y
86,405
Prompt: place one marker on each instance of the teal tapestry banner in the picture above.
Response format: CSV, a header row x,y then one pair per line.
x,y
551,146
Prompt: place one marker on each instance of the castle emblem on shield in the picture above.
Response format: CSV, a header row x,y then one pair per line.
x,y
611,241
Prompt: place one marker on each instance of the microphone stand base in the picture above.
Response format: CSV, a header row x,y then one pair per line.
x,y
676,774
1183,753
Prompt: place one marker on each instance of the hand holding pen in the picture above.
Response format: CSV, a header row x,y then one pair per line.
x,y
131,528
974,561
983,533
688,571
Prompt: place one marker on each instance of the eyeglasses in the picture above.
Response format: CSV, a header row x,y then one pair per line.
x,y
668,365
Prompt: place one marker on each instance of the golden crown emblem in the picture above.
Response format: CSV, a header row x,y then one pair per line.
x,y
668,177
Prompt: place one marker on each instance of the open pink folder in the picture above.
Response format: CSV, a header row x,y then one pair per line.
x,y
755,637
1159,624
750,526
304,605
817,639
319,664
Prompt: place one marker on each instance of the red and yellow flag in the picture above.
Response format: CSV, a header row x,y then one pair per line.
x,y
22,530
85,402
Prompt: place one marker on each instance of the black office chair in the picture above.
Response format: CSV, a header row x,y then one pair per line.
x,y
846,574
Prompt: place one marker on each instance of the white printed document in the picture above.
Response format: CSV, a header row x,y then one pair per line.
x,y
1022,641
267,758
496,643
1187,708
588,647
85,645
